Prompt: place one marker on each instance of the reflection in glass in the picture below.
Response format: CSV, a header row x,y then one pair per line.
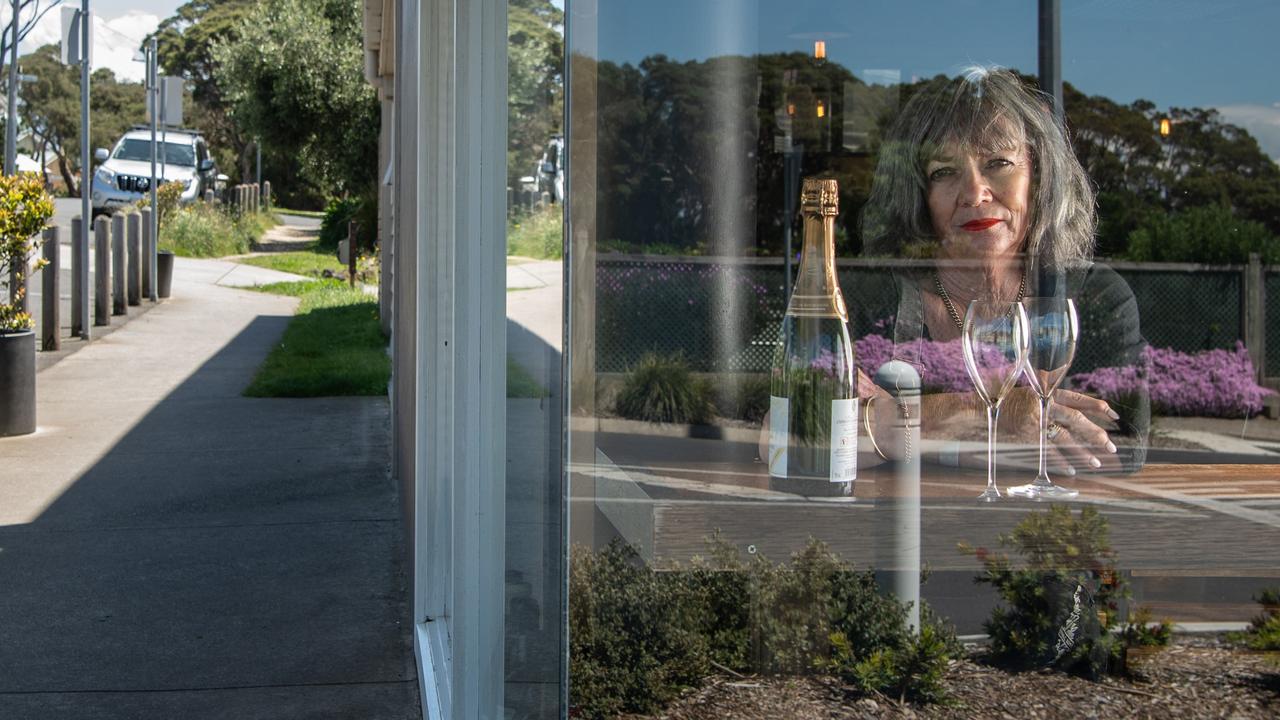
x,y
995,347
1052,347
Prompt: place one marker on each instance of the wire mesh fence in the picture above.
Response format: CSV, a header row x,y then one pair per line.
x,y
724,316
1272,310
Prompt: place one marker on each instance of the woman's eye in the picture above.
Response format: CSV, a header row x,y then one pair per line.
x,y
941,174
999,163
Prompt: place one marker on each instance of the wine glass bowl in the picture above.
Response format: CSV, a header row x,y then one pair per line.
x,y
994,340
1054,329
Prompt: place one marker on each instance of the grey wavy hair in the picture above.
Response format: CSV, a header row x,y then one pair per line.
x,y
983,109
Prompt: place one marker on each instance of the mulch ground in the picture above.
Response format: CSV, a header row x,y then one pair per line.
x,y
1197,677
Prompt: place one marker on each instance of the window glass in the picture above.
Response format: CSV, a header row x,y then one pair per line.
x,y
535,548
830,264
139,150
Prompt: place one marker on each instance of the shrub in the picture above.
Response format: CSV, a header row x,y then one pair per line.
x,y
745,397
1213,383
638,636
167,197
662,389
1058,608
1141,632
1207,234
201,230
339,212
538,235
25,209
1264,630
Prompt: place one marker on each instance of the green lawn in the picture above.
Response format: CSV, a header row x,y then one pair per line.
x,y
298,262
333,345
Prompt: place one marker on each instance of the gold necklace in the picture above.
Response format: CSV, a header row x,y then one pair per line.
x,y
951,309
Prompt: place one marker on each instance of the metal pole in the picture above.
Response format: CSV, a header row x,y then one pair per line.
x,y
11,123
86,168
1051,52
257,145
154,215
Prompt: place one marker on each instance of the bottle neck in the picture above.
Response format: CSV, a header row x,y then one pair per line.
x,y
817,290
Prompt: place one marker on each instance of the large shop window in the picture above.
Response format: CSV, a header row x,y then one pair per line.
x,y
879,357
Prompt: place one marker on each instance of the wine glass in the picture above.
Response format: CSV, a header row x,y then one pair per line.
x,y
1053,328
994,339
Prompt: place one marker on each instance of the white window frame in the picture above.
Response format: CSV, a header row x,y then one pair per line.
x,y
460,456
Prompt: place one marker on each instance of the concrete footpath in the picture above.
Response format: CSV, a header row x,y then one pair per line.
x,y
169,548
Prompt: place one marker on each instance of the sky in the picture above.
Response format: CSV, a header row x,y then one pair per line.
x,y
119,28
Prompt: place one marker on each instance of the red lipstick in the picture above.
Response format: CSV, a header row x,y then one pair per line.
x,y
982,224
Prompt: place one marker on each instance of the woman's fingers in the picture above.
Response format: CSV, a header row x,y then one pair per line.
x,y
1081,442
1084,403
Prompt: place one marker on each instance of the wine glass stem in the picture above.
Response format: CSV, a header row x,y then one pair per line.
x,y
993,415
1042,478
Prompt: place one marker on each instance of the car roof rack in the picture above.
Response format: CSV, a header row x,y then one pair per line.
x,y
161,128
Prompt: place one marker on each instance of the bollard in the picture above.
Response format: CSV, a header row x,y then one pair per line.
x,y
51,307
134,289
102,272
253,198
119,266
79,279
903,564
208,196
20,284
266,195
148,257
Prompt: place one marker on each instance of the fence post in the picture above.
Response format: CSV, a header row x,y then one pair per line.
x,y
135,259
148,255
119,266
266,195
352,227
208,196
51,305
1253,315
102,272
79,280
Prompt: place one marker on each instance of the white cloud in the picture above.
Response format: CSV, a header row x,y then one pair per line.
x,y
1262,122
115,40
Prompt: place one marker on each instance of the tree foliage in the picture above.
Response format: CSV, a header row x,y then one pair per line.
x,y
535,87
51,109
293,76
25,209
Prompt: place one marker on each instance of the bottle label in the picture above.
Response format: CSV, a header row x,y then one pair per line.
x,y
778,435
844,440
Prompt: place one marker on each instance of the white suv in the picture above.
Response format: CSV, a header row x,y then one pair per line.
x,y
124,174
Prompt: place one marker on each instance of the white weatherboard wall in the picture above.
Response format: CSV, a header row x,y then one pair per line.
x,y
461,357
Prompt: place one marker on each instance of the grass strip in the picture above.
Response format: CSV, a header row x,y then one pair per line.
x,y
298,213
333,346
298,262
520,384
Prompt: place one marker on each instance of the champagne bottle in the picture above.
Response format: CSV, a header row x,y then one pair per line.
x,y
813,403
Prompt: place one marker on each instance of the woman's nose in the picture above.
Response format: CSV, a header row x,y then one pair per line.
x,y
974,189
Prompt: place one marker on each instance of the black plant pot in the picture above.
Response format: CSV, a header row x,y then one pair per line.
x,y
17,383
164,273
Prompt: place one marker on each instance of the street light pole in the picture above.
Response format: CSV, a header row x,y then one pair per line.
x,y
86,168
11,122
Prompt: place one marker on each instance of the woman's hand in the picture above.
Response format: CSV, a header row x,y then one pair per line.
x,y
1077,439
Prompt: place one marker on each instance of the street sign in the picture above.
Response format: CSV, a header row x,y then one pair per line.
x,y
71,37
170,101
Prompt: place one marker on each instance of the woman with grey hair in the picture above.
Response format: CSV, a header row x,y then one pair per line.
x,y
977,182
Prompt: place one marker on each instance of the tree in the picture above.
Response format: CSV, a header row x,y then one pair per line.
x,y
51,109
535,83
294,77
184,44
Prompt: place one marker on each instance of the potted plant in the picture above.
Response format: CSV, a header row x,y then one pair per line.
x,y
25,209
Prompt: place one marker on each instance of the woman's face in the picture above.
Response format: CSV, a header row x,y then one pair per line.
x,y
978,200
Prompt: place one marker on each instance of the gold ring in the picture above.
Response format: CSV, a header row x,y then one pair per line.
x,y
1054,429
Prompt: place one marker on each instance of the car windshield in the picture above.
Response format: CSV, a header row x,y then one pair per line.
x,y
140,149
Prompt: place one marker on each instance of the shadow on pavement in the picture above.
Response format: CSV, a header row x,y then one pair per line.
x,y
228,557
